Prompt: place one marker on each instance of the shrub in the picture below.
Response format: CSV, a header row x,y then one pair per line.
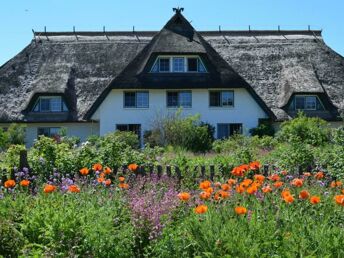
x,y
331,158
4,140
11,240
304,129
338,136
263,129
16,134
12,156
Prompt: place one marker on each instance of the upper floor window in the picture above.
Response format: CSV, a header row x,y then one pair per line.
x,y
136,99
50,104
221,98
178,64
179,99
306,103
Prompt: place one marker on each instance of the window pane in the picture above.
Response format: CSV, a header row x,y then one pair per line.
x,y
129,99
235,129
36,108
201,67
136,128
45,105
192,65
54,131
164,64
64,107
172,99
178,64
142,99
310,102
43,131
299,102
222,131
55,104
155,68
185,99
214,99
227,98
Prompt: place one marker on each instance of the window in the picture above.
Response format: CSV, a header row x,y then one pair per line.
x,y
306,103
135,128
178,64
48,131
50,104
179,99
221,98
226,130
136,99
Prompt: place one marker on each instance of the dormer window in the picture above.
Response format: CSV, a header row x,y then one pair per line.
x,y
50,104
178,64
306,102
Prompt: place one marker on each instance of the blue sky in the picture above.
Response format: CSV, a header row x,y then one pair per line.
x,y
19,17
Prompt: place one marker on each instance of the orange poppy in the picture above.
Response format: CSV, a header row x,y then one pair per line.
x,y
225,187
100,179
123,185
102,174
307,174
339,199
107,170
24,183
231,181
288,198
240,210
304,194
49,188
200,209
336,184
73,189
343,191
255,165
246,183
209,190
297,182
184,196
107,182
284,172
84,171
121,179
240,170
217,184
285,193
97,167
205,185
204,195
259,178
10,183
278,184
240,189
319,175
133,167
252,190
314,199
267,189
274,177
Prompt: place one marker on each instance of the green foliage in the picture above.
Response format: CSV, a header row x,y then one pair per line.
x,y
11,240
331,157
16,134
308,130
11,157
263,129
4,140
338,136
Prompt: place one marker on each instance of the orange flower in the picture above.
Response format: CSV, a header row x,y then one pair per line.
x,y
184,196
100,180
225,187
343,191
297,182
25,183
278,184
240,210
285,193
224,194
259,178
314,199
209,190
84,171
97,167
255,165
240,189
274,177
10,183
240,170
339,199
107,182
267,189
49,188
107,170
102,174
133,167
232,181
288,198
73,189
319,175
307,174
121,179
251,189
246,183
336,184
200,209
204,195
123,185
284,172
304,194
217,184
205,185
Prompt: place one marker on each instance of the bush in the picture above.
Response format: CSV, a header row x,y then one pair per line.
x,y
263,129
12,156
16,134
11,240
331,158
308,130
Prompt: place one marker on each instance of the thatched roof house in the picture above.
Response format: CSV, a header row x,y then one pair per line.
x,y
84,67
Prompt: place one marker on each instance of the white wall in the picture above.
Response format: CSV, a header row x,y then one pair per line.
x,y
112,112
81,130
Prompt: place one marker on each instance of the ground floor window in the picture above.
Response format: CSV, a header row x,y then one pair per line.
x,y
226,130
48,131
136,128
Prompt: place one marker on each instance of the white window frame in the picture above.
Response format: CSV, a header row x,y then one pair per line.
x,y
304,102
179,98
221,103
171,57
136,94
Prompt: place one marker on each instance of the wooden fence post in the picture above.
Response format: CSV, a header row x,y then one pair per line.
x,y
159,168
168,170
266,170
23,163
202,171
179,174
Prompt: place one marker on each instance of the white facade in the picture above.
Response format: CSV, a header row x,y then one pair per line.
x,y
112,112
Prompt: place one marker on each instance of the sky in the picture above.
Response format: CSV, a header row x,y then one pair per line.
x,y
19,17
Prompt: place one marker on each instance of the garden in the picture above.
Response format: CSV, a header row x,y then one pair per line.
x,y
273,194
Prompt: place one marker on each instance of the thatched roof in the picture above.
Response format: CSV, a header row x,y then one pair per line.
x,y
272,65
